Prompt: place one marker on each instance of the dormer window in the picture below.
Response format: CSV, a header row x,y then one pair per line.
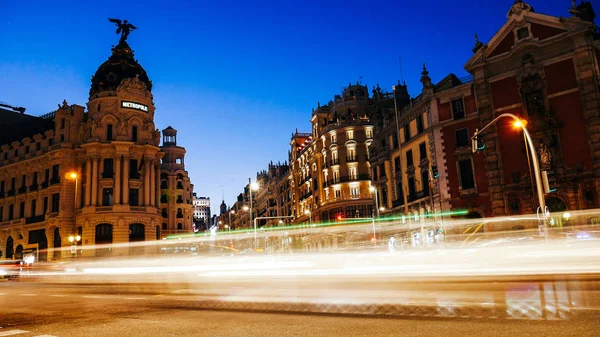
x,y
522,33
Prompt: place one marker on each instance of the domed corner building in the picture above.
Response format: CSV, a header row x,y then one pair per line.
x,y
95,173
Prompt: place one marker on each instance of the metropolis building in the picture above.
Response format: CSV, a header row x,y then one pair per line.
x,y
100,174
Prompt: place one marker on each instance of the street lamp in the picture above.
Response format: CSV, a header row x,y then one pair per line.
x,y
520,123
228,228
373,189
230,213
74,239
309,213
252,186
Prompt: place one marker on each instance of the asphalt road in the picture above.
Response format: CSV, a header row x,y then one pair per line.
x,y
30,309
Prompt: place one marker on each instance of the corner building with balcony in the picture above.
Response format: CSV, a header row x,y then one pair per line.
x,y
329,168
93,173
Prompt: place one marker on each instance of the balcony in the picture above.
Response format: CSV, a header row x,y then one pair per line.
x,y
54,181
45,184
179,186
10,193
22,190
34,219
33,187
351,159
104,209
335,161
108,175
134,175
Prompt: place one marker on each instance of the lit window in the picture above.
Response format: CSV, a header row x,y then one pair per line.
x,y
350,134
354,191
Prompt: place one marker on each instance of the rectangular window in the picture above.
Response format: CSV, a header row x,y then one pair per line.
x,y
411,187
33,207
24,180
26,149
45,205
394,141
352,172
55,171
1,213
351,154
397,164
354,191
134,197
382,171
409,158
2,186
35,178
420,124
399,192
22,210
425,182
62,123
108,168
422,151
333,138
338,193
55,203
406,133
134,134
38,146
466,174
62,138
462,137
50,142
11,211
13,183
458,108
109,133
133,169
336,177
107,197
47,175
369,134
350,134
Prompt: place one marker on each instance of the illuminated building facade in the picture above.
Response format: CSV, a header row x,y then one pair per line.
x,y
545,70
330,169
94,174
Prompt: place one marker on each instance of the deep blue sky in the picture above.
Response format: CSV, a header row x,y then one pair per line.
x,y
237,78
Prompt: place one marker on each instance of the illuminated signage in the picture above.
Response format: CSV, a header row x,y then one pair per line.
x,y
135,106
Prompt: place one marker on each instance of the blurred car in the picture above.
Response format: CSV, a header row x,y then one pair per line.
x,y
11,268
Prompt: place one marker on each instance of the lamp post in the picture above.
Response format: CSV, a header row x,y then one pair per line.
x,y
404,196
246,208
534,160
228,228
230,213
373,189
74,239
252,186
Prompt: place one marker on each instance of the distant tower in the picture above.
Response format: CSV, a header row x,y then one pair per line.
x,y
176,191
223,207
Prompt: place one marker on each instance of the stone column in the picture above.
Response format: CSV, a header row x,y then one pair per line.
x,y
157,184
79,183
152,184
118,180
94,181
146,181
126,180
88,184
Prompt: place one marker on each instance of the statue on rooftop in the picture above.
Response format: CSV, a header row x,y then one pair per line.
x,y
124,28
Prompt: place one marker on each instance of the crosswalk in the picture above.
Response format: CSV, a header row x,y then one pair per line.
x,y
21,333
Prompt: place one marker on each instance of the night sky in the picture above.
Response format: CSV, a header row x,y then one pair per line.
x,y
237,78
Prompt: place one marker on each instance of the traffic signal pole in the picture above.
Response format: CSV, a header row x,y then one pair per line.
x,y
534,161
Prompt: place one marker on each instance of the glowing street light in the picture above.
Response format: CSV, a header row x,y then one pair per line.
x,y
520,123
373,190
309,213
230,213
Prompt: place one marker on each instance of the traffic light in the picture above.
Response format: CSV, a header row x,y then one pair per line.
x,y
434,172
477,142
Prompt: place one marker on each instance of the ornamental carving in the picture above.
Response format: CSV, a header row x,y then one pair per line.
x,y
519,7
132,83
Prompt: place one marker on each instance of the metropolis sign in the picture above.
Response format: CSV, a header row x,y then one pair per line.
x,y
135,106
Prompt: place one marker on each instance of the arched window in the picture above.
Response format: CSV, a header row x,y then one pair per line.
x,y
179,226
104,233
137,232
9,247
